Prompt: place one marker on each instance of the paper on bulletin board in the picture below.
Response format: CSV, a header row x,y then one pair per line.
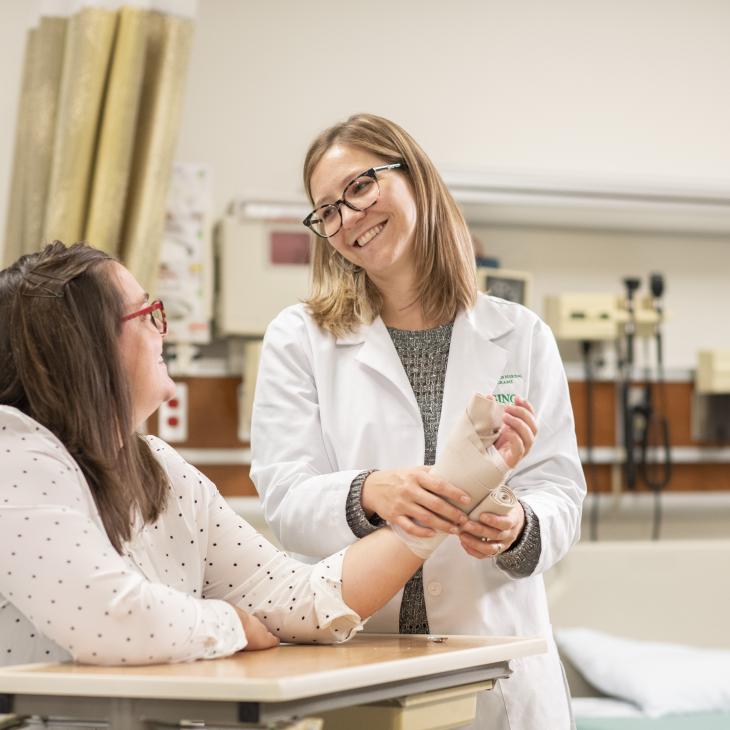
x,y
186,262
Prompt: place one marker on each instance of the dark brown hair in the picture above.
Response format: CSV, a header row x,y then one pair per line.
x,y
60,320
343,296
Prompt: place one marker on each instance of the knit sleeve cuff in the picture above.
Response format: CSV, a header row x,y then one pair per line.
x,y
524,554
355,514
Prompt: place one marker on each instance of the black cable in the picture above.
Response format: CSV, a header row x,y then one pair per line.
x,y
627,367
586,347
656,423
657,435
628,422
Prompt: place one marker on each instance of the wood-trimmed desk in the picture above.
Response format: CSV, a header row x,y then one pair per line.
x,y
263,687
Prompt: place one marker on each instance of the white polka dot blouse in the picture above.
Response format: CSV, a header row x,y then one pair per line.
x,y
65,593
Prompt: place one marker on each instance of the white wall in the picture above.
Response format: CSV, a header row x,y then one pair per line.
x,y
599,87
628,89
634,90
616,90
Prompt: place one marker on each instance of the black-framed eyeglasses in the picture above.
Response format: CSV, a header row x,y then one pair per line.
x,y
359,194
156,312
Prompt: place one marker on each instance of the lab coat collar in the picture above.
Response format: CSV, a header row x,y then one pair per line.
x,y
474,357
378,353
484,319
356,336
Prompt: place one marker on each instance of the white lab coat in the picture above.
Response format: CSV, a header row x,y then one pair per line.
x,y
328,408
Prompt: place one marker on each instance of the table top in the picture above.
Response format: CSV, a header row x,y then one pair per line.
x,y
285,673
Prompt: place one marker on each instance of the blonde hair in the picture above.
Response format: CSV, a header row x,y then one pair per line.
x,y
342,295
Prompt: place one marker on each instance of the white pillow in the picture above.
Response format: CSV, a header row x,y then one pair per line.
x,y
603,707
660,678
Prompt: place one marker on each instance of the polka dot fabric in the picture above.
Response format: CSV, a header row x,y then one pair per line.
x,y
65,593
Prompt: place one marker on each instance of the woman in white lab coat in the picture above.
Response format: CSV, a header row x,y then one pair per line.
x,y
359,388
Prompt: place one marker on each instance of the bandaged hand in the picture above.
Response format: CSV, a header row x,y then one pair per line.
x,y
489,534
472,462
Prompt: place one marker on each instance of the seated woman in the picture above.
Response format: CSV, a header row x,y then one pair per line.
x,y
114,549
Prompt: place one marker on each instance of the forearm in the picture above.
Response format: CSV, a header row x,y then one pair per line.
x,y
374,570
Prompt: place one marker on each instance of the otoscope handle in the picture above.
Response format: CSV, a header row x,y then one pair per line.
x,y
656,285
632,284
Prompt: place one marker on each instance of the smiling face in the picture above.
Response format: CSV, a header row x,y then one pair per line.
x,y
379,239
140,345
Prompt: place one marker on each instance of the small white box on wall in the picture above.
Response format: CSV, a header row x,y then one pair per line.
x,y
173,416
713,371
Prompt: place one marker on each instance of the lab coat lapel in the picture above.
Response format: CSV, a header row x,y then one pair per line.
x,y
379,354
476,361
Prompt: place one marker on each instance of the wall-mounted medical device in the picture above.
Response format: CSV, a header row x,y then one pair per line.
x,y
646,428
594,319
713,372
262,267
514,286
589,318
646,315
711,404
584,316
600,316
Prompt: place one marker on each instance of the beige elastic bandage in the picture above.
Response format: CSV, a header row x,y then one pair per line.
x,y
470,462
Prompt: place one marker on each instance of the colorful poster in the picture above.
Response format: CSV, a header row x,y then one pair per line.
x,y
185,279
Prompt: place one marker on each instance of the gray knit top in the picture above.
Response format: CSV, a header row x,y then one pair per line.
x,y
424,355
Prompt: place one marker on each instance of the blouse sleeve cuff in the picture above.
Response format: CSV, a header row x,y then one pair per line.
x,y
524,554
356,518
220,630
336,621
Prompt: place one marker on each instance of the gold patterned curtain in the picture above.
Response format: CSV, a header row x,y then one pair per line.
x,y
98,121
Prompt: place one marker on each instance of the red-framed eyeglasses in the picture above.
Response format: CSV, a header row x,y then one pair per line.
x,y
156,311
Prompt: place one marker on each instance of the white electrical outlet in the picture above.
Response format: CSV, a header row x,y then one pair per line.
x,y
173,416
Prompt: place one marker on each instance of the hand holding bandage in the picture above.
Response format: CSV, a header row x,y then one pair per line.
x,y
471,463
